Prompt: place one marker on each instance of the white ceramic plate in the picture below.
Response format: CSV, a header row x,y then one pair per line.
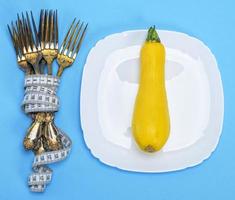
x,y
195,97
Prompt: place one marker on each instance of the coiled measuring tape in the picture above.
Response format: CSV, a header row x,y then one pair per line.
x,y
40,96
42,174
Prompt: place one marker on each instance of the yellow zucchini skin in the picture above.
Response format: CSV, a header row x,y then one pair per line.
x,y
151,123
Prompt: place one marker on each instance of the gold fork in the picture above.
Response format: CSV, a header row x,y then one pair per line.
x,y
30,42
22,62
48,36
70,46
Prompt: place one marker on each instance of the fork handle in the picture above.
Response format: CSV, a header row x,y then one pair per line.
x,y
36,65
60,71
49,65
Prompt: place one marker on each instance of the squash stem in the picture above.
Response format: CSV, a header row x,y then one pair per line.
x,y
152,35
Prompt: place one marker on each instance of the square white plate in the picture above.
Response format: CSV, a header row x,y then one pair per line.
x,y
195,97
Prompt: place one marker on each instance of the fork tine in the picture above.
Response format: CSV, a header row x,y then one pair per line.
x,y
42,28
56,29
13,38
80,42
30,31
19,42
19,27
40,25
51,29
76,38
35,31
46,28
66,37
67,46
25,34
22,39
20,32
11,32
9,29
29,36
16,35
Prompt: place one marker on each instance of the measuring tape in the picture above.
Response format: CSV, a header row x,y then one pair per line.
x,y
42,174
40,96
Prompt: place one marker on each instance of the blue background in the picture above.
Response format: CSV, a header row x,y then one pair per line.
x,y
82,176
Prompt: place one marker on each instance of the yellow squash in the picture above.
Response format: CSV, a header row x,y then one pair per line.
x,y
151,123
